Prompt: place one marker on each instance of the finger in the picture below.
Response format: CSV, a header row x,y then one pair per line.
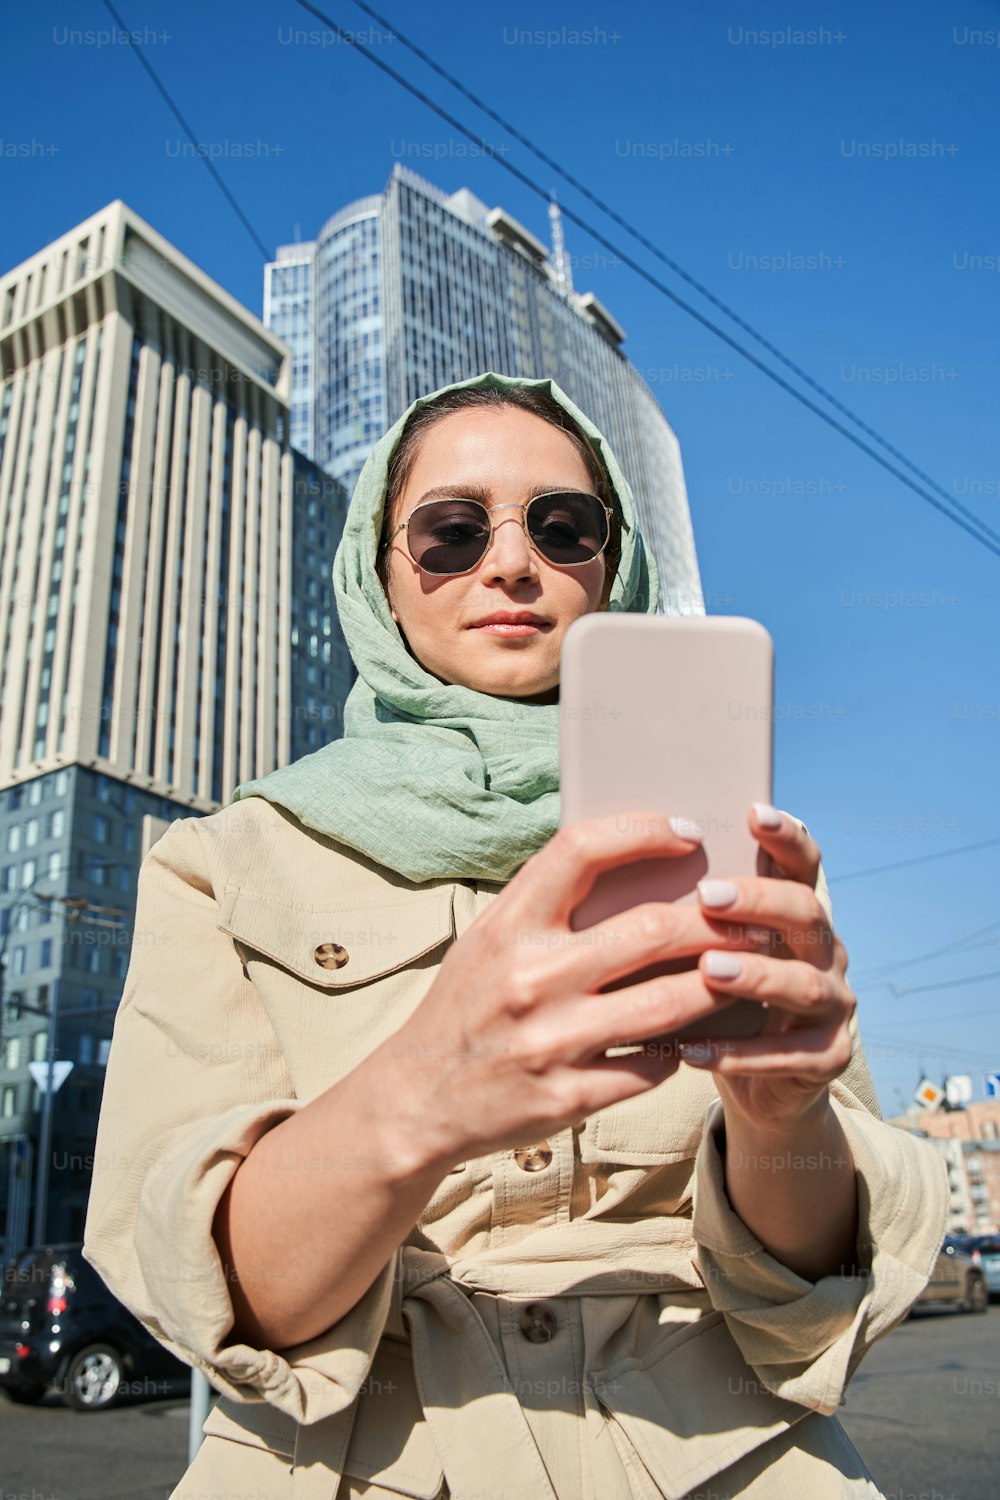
x,y
654,932
816,1053
787,841
790,908
547,889
586,1025
787,983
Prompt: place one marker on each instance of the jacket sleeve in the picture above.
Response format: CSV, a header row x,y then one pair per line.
x,y
804,1339
195,1077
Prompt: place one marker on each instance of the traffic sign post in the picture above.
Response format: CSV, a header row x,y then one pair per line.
x,y
50,1076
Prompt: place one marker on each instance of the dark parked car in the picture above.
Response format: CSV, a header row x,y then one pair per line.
x,y
984,1250
957,1279
61,1327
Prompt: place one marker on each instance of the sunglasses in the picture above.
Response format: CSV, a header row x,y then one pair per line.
x,y
568,527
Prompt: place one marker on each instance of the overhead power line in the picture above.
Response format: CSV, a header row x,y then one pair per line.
x,y
952,509
872,1041
917,859
875,971
678,269
938,984
978,529
209,165
965,1015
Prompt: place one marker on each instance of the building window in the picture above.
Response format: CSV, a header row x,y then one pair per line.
x,y
46,958
39,1046
9,1102
12,1058
54,869
86,1052
27,872
102,828
57,822
31,832
13,838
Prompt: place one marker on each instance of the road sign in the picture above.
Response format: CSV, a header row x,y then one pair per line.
x,y
958,1088
40,1073
993,1085
928,1094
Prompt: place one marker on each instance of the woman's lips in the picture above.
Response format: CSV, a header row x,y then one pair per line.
x,y
496,628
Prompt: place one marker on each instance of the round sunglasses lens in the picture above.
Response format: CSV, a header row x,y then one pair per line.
x,y
449,536
568,528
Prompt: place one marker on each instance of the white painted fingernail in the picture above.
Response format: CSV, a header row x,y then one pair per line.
x,y
722,965
766,814
687,828
717,892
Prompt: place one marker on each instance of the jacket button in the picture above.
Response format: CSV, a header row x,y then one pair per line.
x,y
537,1323
533,1158
331,956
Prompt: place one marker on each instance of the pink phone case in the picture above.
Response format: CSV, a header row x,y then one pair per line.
x,y
674,715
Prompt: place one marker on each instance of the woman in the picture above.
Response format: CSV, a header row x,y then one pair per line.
x,y
361,1156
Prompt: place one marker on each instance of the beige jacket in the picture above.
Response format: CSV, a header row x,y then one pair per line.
x,y
593,1326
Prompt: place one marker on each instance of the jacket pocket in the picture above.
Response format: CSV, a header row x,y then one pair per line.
x,y
664,1124
338,947
691,1406
256,1423
391,1443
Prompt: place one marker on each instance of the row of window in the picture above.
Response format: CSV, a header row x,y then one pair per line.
x,y
49,868
28,833
53,278
89,1050
83,954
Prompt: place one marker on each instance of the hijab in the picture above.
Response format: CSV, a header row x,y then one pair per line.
x,y
436,780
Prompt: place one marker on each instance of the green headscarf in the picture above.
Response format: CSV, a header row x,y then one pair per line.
x,y
436,780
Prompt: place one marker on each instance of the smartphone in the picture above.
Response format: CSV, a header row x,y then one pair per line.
x,y
670,715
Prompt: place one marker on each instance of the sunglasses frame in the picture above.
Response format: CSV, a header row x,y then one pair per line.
x,y
523,506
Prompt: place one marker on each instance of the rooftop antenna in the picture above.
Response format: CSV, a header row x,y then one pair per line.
x,y
560,260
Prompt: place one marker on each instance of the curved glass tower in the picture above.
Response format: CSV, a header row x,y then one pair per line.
x,y
413,288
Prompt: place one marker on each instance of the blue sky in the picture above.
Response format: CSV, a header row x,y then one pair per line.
x,y
837,189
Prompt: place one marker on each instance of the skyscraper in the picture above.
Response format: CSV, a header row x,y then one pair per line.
x,y
167,623
406,290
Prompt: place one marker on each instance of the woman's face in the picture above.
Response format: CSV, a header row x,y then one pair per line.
x,y
506,452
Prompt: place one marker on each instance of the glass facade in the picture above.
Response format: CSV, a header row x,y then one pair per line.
x,y
288,297
414,288
70,848
321,667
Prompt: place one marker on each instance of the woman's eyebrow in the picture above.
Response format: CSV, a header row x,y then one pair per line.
x,y
483,493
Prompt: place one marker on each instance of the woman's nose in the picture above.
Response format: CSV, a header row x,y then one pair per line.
x,y
509,549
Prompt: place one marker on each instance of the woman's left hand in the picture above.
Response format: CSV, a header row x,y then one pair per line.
x,y
781,1075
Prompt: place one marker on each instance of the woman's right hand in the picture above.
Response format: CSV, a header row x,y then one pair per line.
x,y
507,1045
